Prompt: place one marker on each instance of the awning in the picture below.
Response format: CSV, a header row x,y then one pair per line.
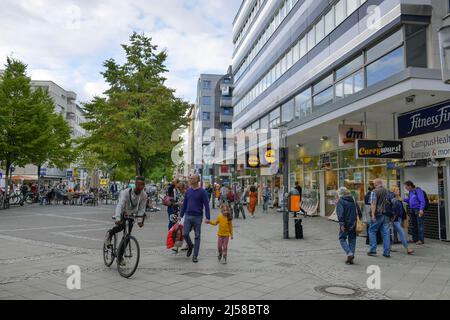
x,y
24,178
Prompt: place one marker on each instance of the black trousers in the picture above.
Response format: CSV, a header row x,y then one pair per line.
x,y
119,228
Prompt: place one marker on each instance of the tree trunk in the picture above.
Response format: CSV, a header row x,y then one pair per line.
x,y
8,169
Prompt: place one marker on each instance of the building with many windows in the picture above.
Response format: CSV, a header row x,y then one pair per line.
x,y
342,78
212,117
66,105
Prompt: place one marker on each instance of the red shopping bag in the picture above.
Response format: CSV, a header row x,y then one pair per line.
x,y
175,236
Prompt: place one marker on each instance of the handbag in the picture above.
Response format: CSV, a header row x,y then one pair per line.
x,y
360,226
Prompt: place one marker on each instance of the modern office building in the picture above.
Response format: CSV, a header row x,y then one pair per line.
x,y
337,73
213,116
66,105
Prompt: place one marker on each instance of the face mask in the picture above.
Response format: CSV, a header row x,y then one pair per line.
x,y
131,186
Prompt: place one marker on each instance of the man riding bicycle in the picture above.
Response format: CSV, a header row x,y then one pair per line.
x,y
132,203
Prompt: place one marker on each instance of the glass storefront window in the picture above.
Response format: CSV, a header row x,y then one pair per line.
x,y
324,98
386,67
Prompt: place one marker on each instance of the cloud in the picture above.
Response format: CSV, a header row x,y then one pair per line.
x,y
68,41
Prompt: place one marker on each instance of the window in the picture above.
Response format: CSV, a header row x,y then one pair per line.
x,y
207,101
340,12
385,67
287,111
303,47
303,105
323,98
275,118
320,30
350,67
264,123
311,39
352,5
350,85
227,111
283,65
290,58
323,84
385,46
329,21
296,53
206,116
416,46
206,84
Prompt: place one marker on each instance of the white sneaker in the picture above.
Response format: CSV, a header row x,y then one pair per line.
x,y
123,263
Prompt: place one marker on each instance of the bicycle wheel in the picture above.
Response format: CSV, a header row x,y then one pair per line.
x,y
128,257
109,253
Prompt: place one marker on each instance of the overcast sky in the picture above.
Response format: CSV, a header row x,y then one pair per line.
x,y
68,41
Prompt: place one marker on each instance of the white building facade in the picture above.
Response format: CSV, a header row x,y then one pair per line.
x,y
337,71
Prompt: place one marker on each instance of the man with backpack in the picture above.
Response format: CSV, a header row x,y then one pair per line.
x,y
418,202
381,217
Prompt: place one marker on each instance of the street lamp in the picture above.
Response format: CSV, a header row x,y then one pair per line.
x,y
284,159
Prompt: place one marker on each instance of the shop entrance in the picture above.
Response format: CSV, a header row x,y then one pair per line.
x,y
432,181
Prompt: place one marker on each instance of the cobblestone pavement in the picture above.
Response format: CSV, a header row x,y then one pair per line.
x,y
37,244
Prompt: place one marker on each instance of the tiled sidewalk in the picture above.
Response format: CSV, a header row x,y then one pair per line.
x,y
37,244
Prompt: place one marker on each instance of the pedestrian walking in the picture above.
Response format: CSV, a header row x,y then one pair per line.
x,y
253,201
172,205
195,201
347,211
380,219
240,202
399,218
417,201
266,198
225,222
368,214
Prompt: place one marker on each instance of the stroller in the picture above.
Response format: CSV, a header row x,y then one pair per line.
x,y
175,237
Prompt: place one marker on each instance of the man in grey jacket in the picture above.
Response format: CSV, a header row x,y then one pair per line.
x,y
132,202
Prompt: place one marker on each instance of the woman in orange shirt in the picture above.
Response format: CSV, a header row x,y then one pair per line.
x,y
253,201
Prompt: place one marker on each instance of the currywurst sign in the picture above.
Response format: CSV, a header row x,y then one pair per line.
x,y
379,149
433,119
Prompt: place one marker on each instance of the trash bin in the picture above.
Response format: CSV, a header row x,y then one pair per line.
x,y
294,205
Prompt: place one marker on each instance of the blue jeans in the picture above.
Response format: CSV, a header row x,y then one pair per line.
x,y
193,222
401,233
382,222
266,204
418,226
348,242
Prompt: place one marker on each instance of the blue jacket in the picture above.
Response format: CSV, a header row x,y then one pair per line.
x,y
347,212
399,210
416,199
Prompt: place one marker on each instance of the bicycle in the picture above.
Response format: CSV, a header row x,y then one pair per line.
x,y
124,253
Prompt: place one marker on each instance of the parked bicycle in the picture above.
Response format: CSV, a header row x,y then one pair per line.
x,y
127,253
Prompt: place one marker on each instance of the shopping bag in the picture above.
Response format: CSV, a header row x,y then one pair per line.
x,y
360,227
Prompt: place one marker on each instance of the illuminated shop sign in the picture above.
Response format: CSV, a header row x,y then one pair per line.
x,y
379,149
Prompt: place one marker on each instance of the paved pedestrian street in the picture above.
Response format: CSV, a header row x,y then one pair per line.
x,y
38,244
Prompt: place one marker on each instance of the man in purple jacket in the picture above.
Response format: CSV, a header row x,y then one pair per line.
x,y
195,200
417,203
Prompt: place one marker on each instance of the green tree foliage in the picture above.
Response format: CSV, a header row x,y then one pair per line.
x,y
133,124
30,131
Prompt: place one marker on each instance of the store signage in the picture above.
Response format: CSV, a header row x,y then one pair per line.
x,y
407,164
379,149
428,146
433,119
271,157
348,134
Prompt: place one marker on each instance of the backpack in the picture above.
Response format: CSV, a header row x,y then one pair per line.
x,y
390,209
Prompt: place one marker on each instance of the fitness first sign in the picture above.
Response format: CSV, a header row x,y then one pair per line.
x,y
426,133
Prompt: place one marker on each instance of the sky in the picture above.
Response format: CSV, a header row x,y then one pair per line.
x,y
68,41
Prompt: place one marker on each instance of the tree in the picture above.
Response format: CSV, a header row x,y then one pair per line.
x,y
133,124
30,132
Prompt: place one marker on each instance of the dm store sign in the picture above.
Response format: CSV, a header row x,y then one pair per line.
x,y
426,133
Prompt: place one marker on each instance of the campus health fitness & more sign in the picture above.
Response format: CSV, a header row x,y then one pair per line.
x,y
426,132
